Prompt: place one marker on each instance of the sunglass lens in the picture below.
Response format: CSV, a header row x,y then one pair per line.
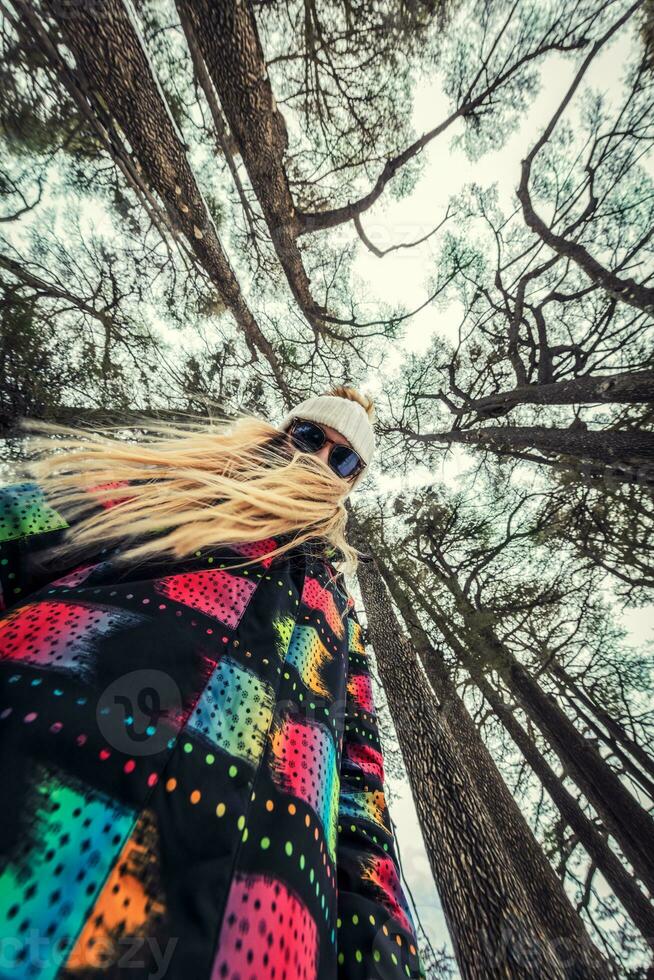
x,y
307,436
344,461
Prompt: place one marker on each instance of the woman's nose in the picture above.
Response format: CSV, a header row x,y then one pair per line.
x,y
324,452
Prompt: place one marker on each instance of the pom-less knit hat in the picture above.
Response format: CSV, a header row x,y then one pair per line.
x,y
346,416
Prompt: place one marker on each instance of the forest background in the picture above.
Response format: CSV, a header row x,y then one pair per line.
x,y
221,207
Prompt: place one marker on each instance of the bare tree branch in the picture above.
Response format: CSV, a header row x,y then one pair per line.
x,y
627,290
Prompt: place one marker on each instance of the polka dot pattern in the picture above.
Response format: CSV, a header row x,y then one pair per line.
x,y
105,496
284,627
316,596
366,758
381,871
364,805
256,549
234,711
267,931
355,637
303,764
79,576
59,635
360,689
75,837
215,593
309,656
131,901
376,933
24,511
224,811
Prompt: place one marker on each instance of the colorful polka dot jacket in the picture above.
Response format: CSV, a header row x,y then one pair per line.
x,y
192,777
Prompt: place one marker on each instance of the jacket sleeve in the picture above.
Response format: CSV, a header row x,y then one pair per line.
x,y
30,526
27,524
376,932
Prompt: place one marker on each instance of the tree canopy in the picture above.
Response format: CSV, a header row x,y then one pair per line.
x,y
192,198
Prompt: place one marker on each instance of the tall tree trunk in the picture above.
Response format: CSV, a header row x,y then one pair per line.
x,y
494,932
115,75
223,136
629,767
544,889
608,864
631,825
227,36
628,455
623,884
630,387
614,728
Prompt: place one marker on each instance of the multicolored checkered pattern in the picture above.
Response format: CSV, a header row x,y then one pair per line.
x,y
191,769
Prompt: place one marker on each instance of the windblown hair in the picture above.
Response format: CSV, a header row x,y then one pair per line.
x,y
181,488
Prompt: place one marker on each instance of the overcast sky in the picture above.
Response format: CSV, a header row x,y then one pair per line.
x,y
403,277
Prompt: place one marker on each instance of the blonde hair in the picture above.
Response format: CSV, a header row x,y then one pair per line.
x,y
186,487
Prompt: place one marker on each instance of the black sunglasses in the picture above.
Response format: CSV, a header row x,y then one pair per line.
x,y
308,437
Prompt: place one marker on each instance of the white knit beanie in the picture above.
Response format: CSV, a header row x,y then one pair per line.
x,y
346,416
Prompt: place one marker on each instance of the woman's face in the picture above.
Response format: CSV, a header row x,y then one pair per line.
x,y
333,437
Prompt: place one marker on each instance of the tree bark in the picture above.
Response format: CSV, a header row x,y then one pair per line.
x,y
623,884
631,825
637,905
625,454
116,76
630,387
494,933
223,137
227,36
544,889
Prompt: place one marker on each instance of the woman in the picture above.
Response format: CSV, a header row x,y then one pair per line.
x,y
191,770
